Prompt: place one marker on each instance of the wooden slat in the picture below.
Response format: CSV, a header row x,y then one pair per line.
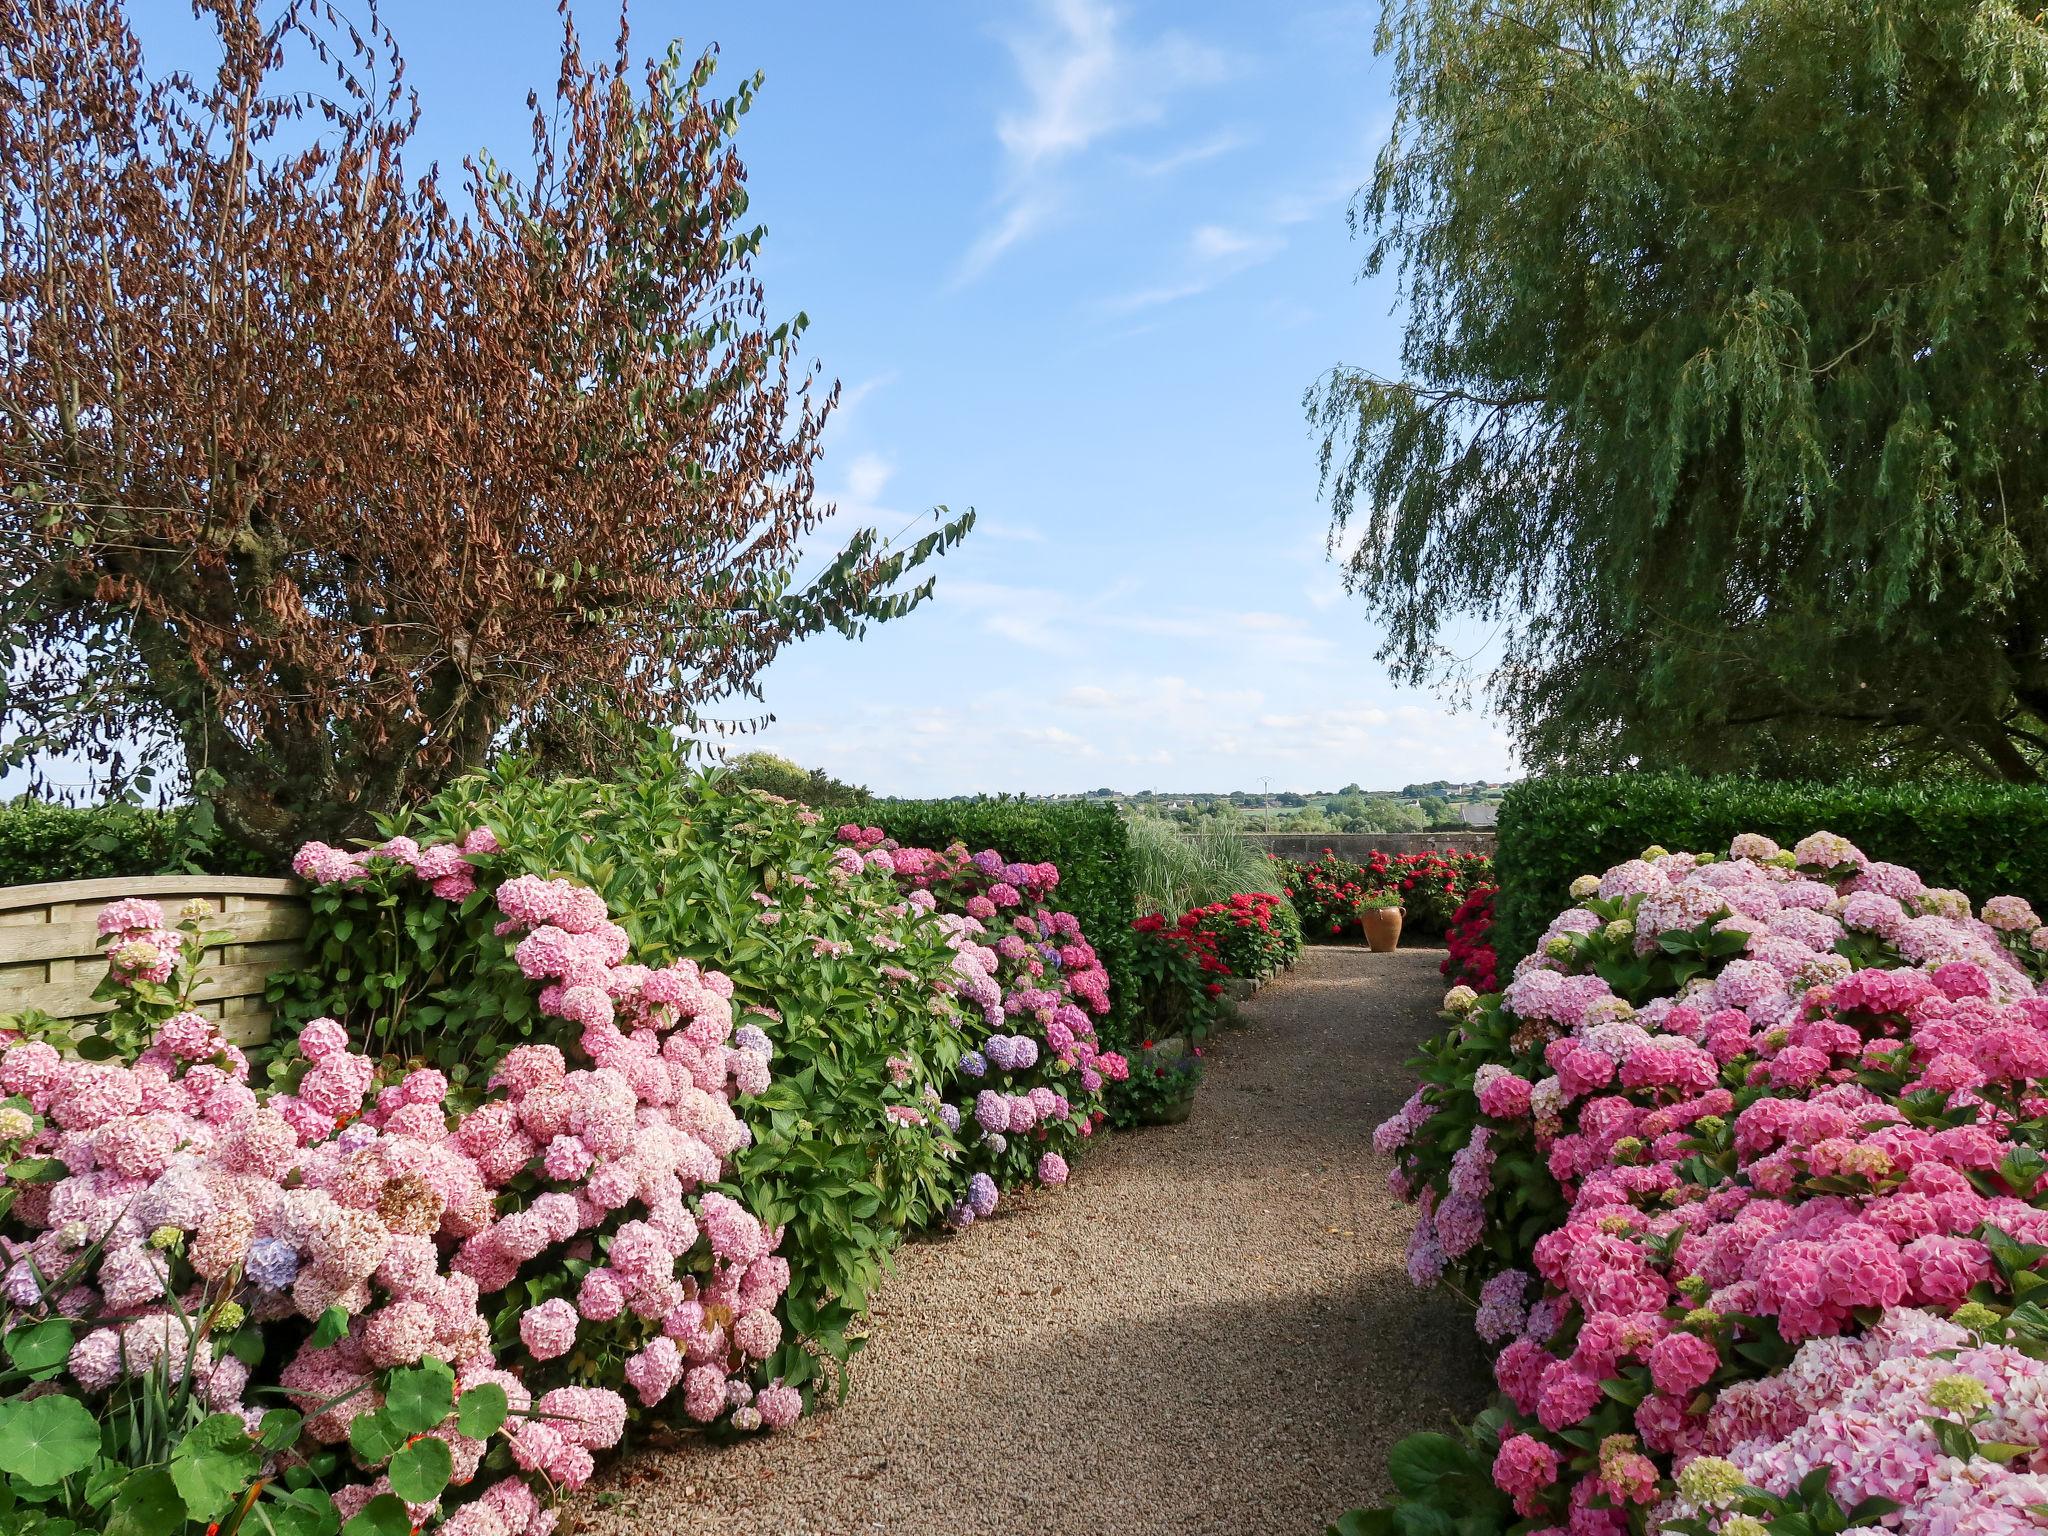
x,y
52,941
98,893
51,959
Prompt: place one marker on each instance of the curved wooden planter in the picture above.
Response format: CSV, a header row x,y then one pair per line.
x,y
51,960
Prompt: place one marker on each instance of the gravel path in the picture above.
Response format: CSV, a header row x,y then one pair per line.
x,y
1208,1330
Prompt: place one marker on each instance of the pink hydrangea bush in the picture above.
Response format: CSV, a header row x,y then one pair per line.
x,y
1742,1132
553,1237
1026,1093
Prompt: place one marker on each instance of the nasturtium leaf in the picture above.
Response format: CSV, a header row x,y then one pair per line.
x,y
419,1471
47,1439
420,1397
147,1505
302,1513
385,1515
42,1346
374,1437
213,1464
278,1429
482,1410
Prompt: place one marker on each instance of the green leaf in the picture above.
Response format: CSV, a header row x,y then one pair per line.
x,y
385,1515
482,1409
148,1504
47,1439
279,1428
420,1397
213,1464
41,1347
374,1437
332,1326
1419,1462
421,1470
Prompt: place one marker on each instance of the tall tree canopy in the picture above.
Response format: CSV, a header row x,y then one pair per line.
x,y
332,483
1725,377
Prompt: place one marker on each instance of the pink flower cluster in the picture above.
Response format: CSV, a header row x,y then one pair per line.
x,y
189,1197
1028,1091
1815,1133
445,867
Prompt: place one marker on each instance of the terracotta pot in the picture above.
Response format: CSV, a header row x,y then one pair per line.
x,y
1382,928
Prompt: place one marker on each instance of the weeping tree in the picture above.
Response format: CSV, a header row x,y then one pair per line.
x,y
1723,382
323,477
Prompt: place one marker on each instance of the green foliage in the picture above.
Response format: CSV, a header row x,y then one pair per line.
x,y
1982,838
777,775
42,842
1445,1487
1161,1084
1175,870
154,1460
687,865
1091,845
1722,385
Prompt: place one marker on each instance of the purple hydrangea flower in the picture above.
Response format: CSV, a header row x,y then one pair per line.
x,y
982,1195
949,1115
973,1064
273,1263
991,1110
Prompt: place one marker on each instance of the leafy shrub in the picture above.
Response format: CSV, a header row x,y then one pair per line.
x,y
1161,1082
1089,843
1180,979
1746,1169
1253,933
776,775
1469,938
43,842
1972,836
829,964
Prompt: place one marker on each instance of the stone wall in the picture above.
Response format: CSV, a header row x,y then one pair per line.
x,y
1359,846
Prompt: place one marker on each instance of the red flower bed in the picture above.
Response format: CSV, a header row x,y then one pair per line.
x,y
1471,961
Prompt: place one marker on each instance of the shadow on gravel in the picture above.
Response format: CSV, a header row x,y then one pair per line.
x,y
1300,1391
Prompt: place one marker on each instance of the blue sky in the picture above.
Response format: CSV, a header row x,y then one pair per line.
x,y
1074,263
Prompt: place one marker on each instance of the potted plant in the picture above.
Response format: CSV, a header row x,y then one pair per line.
x,y
1380,914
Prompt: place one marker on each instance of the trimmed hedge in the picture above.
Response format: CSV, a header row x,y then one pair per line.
x,y
42,842
1982,838
1088,841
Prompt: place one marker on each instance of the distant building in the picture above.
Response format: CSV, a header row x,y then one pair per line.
x,y
1485,814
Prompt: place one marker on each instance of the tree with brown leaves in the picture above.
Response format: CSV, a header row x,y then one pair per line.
x,y
334,489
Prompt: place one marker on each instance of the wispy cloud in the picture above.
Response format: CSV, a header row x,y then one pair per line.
x,y
1084,80
1214,253
1192,154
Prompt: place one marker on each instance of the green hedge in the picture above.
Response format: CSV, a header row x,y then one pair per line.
x,y
1090,844
41,842
1986,839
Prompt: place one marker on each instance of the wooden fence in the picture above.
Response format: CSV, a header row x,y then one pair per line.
x,y
51,959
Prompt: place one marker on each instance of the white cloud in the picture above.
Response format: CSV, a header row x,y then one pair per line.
x,y
1214,254
866,476
1006,533
1084,81
1192,154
